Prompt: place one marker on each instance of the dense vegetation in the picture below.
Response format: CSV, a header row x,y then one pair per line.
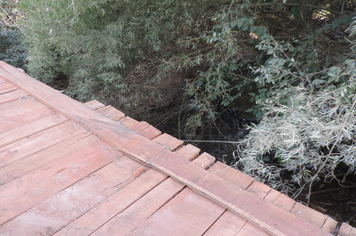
x,y
293,60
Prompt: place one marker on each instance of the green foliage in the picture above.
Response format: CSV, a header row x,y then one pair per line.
x,y
107,49
12,48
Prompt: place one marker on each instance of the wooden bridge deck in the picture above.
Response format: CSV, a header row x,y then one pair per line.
x,y
72,169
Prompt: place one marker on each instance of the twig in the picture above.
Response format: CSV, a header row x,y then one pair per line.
x,y
211,141
333,189
7,14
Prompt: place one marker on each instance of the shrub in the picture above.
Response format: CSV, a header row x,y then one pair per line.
x,y
308,129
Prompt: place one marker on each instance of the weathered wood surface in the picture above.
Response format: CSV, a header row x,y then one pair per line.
x,y
247,205
33,188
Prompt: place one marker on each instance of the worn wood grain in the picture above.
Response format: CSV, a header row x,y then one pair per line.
x,y
31,144
37,160
94,104
231,175
227,225
66,206
188,213
31,189
189,152
19,112
167,141
111,112
114,205
6,87
30,128
11,96
316,218
129,219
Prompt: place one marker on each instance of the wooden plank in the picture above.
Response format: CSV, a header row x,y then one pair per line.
x,y
150,132
249,229
37,142
312,216
205,160
31,128
188,213
134,215
345,229
272,196
284,202
114,205
231,175
329,225
189,152
17,113
6,87
14,95
168,142
23,193
264,215
127,122
36,160
259,189
111,112
94,104
227,225
64,207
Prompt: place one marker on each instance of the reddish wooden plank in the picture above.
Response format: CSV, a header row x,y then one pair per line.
x,y
94,104
189,152
228,224
188,213
130,218
14,95
231,175
36,160
66,206
277,221
23,193
249,229
20,112
7,87
168,142
312,216
127,122
138,126
329,225
114,205
284,202
31,128
345,229
272,196
111,112
259,189
150,132
142,128
205,160
37,142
